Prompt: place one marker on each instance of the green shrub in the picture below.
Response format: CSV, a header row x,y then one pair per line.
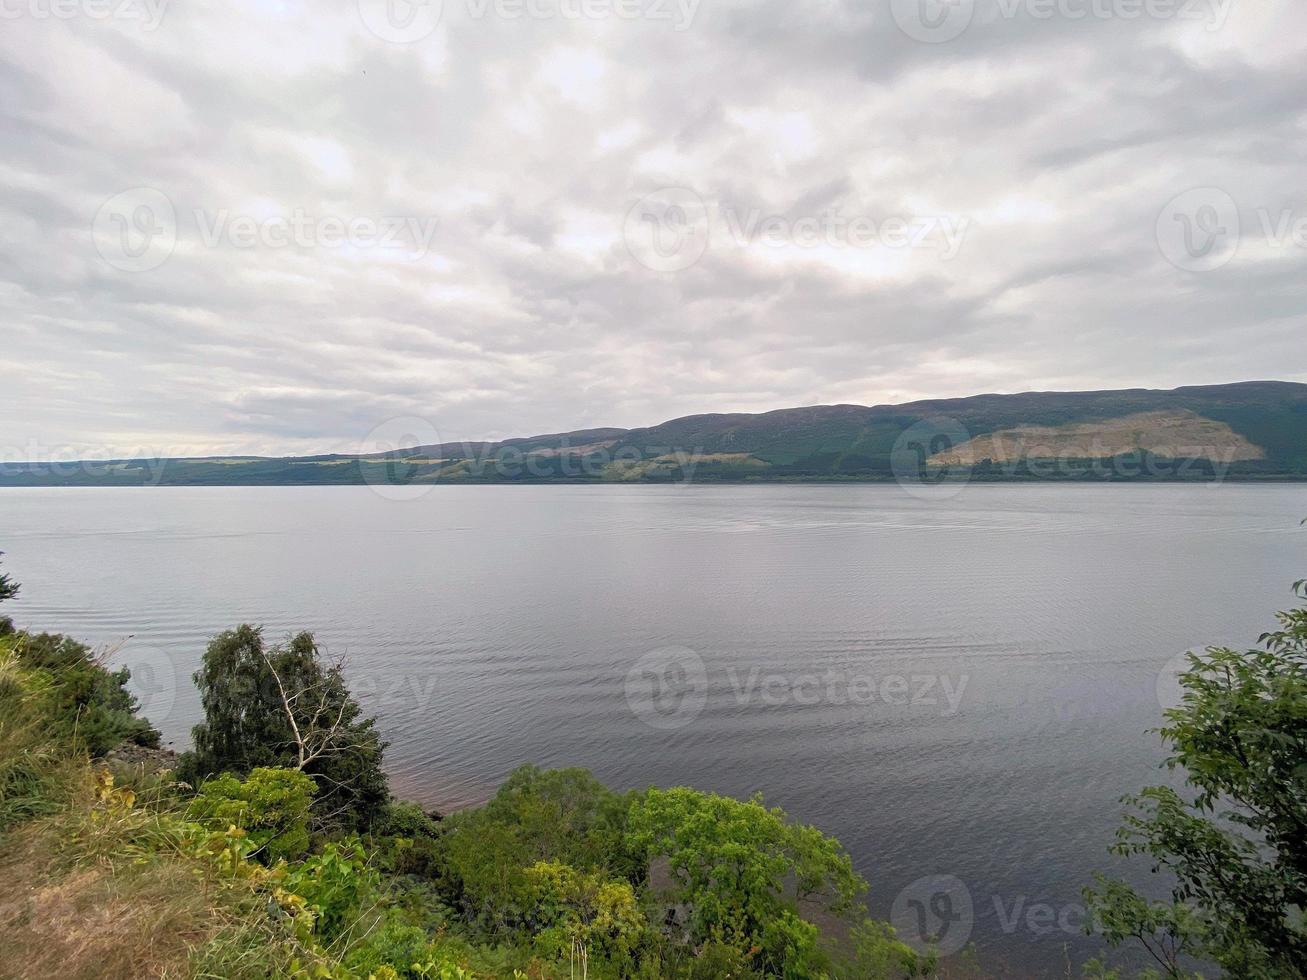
x,y
338,886
403,818
86,699
38,770
8,587
407,841
571,909
741,869
563,815
395,944
878,953
271,806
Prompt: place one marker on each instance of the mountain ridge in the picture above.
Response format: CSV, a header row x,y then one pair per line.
x,y
1240,430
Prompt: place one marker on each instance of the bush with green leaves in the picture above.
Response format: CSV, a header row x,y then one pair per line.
x,y
874,952
280,705
407,840
87,699
1233,845
395,944
404,818
271,806
38,768
557,858
742,869
338,885
567,815
563,815
82,696
586,913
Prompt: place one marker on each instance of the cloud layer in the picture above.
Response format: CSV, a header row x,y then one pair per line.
x,y
272,227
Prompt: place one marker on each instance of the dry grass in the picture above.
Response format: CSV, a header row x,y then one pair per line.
x,y
80,921
94,890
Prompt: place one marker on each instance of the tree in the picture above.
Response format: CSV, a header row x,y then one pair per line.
x,y
280,706
1235,844
8,587
742,869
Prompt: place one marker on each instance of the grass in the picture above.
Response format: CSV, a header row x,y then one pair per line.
x,y
94,890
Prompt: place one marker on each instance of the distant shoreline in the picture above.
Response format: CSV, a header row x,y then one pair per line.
x,y
1204,480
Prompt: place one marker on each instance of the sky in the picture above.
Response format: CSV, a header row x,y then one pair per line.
x,y
258,227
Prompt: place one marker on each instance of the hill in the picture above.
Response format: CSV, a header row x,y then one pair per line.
x,y
1249,430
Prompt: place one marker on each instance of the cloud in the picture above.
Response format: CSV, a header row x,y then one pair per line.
x,y
362,226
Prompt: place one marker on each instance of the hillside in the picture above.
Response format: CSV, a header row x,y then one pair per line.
x,y
1250,430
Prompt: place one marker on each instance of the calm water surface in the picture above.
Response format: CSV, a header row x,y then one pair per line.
x,y
954,686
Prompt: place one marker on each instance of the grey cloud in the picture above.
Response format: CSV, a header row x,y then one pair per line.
x,y
526,143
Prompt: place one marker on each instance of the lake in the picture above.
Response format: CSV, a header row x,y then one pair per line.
x,y
958,685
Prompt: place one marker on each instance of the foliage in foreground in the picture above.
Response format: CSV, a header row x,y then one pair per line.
x,y
1235,843
555,876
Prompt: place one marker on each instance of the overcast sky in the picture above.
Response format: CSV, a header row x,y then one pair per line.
x,y
273,227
